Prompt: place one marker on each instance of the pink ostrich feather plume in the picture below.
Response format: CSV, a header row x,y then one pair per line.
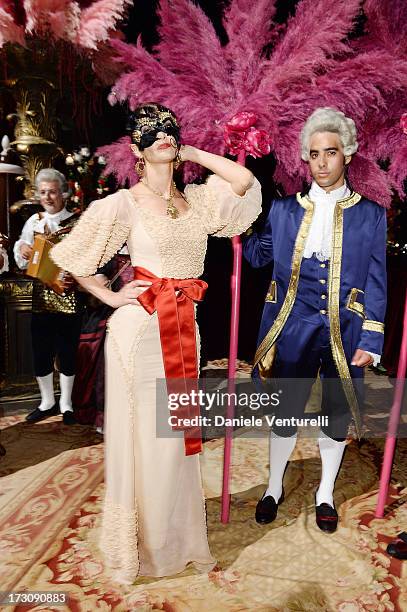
x,y
145,78
9,30
97,20
105,63
63,24
39,14
398,165
387,24
368,179
245,54
241,19
63,20
281,75
185,27
119,161
315,36
196,82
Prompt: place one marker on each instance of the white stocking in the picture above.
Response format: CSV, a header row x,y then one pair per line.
x,y
46,385
66,384
280,452
331,456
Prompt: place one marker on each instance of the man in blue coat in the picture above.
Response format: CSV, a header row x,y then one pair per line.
x,y
325,306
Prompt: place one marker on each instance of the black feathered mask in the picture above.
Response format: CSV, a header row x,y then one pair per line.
x,y
147,121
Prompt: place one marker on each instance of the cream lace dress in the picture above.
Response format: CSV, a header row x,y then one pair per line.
x,y
153,520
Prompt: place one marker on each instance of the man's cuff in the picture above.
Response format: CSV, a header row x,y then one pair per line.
x,y
376,358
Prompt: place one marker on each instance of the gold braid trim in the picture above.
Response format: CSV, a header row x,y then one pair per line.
x,y
351,200
375,326
333,310
289,299
353,304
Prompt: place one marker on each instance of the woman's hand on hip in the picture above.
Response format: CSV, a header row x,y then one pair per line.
x,y
128,294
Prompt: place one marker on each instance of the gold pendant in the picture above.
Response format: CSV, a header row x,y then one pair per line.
x,y
172,211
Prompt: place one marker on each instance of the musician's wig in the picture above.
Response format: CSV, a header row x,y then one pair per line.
x,y
329,119
52,175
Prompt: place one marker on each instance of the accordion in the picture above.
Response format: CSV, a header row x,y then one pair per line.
x,y
41,265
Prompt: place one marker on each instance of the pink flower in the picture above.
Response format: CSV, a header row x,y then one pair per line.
x,y
257,142
241,135
234,140
242,121
403,123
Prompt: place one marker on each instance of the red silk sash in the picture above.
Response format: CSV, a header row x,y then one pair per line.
x,y
176,318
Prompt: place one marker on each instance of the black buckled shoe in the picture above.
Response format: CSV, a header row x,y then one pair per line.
x,y
40,415
326,518
398,548
68,418
266,509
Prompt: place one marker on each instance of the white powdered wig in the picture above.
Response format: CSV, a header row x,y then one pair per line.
x,y
329,119
51,175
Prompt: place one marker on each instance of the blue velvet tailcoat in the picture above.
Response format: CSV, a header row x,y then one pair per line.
x,y
356,280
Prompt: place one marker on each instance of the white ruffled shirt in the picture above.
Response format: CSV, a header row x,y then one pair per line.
x,y
319,240
320,234
36,225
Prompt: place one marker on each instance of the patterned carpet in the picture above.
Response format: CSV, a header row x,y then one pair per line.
x,y
51,492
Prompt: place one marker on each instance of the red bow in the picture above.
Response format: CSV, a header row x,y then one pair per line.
x,y
173,299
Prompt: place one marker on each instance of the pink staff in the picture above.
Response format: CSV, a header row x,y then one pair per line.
x,y
242,138
233,344
393,422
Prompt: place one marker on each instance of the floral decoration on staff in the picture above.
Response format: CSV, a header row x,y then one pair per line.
x,y
240,134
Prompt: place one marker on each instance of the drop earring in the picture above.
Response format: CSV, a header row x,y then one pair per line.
x,y
140,166
178,160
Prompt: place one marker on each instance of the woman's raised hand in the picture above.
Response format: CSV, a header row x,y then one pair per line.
x,y
239,177
186,153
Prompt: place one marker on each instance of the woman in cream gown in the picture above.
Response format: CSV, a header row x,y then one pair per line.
x,y
154,520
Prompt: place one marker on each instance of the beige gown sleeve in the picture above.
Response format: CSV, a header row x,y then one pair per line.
x,y
223,212
100,232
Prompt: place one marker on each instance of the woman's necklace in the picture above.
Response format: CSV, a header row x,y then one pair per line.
x,y
172,210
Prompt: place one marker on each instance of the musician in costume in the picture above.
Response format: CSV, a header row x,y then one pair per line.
x,y
325,306
56,319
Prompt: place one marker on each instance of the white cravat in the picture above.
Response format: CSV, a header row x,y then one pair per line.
x,y
319,238
52,221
